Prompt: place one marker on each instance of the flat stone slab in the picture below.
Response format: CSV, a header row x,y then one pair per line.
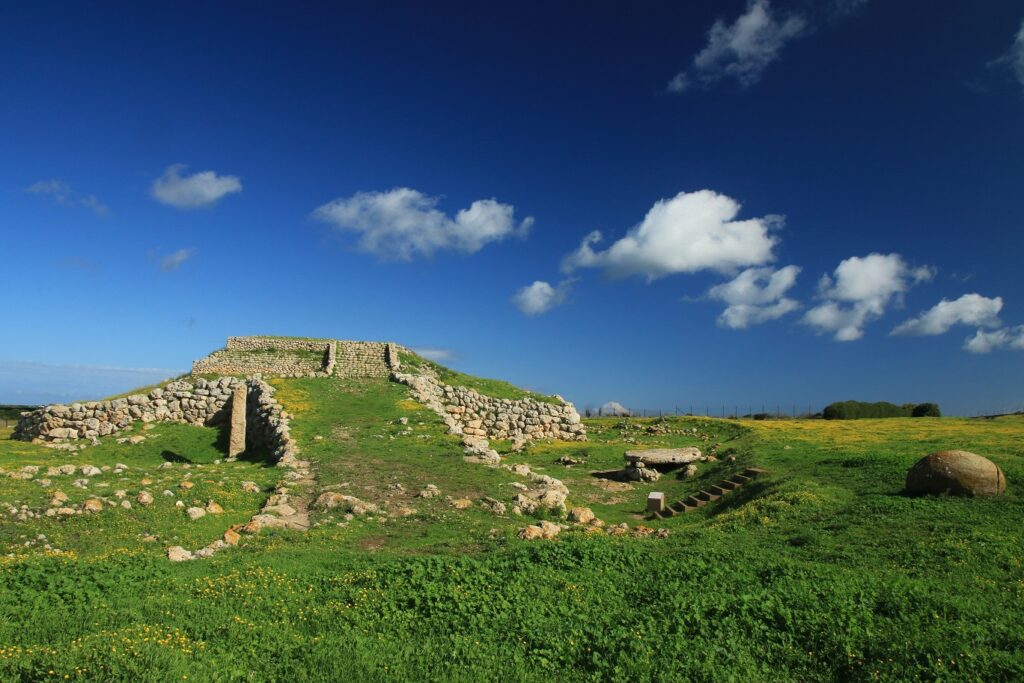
x,y
664,456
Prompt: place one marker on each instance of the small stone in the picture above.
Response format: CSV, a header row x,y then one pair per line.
x,y
429,491
57,498
90,471
251,487
186,485
126,504
462,503
178,554
232,537
92,505
195,513
581,515
213,508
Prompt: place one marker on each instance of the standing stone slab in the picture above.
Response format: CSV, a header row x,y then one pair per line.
x,y
236,445
655,501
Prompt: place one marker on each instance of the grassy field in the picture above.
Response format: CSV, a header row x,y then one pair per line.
x,y
818,571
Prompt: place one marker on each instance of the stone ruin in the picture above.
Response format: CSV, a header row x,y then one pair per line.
x,y
295,357
205,402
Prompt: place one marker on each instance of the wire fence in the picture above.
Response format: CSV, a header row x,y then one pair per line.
x,y
734,411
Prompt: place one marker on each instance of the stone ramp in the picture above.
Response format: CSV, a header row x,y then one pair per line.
x,y
710,494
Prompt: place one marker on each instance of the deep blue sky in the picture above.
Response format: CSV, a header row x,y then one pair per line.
x,y
872,127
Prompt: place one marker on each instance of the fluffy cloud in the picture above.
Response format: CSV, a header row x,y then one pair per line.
x,y
970,309
741,50
60,192
690,232
541,297
192,192
859,291
403,223
1005,338
1014,57
755,296
173,261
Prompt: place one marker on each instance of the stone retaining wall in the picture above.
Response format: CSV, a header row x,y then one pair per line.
x,y
200,403
468,412
281,356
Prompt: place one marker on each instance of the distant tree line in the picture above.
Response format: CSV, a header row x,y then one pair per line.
x,y
857,410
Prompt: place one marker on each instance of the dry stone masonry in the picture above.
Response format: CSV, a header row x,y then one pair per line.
x,y
204,402
292,357
470,413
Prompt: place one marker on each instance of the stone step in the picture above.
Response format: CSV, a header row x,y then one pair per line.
x,y
709,495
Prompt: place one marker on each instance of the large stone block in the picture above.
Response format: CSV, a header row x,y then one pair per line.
x,y
236,445
959,473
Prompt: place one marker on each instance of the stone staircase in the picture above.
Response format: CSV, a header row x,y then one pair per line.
x,y
710,494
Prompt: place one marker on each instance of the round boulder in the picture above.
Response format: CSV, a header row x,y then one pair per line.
x,y
958,473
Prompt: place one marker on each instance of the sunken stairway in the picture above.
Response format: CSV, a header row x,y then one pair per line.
x,y
710,494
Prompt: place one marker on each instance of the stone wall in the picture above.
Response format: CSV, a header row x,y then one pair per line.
x,y
470,413
267,424
288,357
275,343
200,403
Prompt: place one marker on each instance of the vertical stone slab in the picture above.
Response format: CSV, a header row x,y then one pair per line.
x,y
236,443
655,501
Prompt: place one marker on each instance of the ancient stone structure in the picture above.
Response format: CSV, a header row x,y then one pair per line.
x,y
655,501
468,412
958,473
236,441
295,357
200,403
664,456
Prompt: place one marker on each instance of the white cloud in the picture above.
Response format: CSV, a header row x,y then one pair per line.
x,y
742,50
173,261
1014,57
62,193
403,223
1005,338
191,192
859,291
755,296
970,309
614,408
690,232
435,354
541,297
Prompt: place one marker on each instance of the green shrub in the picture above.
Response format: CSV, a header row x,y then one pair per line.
x,y
926,410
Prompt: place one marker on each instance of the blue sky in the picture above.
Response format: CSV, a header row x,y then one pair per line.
x,y
786,193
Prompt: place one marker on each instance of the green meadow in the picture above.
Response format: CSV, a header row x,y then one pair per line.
x,y
819,570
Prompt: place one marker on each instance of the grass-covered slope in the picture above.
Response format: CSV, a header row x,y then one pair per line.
x,y
414,363
818,571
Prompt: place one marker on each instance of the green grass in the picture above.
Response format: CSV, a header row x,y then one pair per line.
x,y
818,571
488,387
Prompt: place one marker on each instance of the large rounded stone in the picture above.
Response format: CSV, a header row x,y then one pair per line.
x,y
958,473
